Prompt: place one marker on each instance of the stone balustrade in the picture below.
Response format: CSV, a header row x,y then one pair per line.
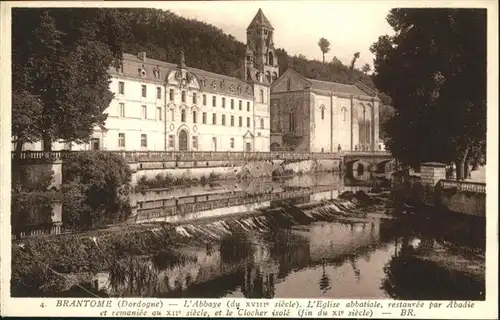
x,y
468,186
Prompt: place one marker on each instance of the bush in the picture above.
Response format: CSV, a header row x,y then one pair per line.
x,y
35,263
96,187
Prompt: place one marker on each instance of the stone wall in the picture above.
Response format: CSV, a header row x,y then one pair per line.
x,y
469,203
32,174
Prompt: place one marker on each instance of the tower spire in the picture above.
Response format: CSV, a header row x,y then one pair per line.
x,y
260,21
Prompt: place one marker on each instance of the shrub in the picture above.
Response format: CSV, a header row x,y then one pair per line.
x,y
96,188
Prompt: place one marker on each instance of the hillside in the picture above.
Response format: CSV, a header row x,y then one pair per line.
x,y
162,33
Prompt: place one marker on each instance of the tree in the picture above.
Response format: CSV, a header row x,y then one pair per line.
x,y
435,74
354,58
366,68
61,59
324,46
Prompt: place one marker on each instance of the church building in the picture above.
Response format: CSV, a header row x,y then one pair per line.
x,y
310,115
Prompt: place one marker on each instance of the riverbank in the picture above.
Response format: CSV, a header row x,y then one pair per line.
x,y
42,264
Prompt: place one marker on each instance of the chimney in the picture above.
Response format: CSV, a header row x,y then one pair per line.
x,y
142,56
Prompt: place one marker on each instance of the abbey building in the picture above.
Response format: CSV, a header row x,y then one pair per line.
x,y
165,106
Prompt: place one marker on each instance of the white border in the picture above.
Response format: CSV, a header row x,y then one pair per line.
x,y
31,306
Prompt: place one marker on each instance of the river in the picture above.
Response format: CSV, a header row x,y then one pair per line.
x,y
353,251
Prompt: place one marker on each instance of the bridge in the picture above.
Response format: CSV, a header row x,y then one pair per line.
x,y
147,156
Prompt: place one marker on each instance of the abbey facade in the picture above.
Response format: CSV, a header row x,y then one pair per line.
x,y
162,106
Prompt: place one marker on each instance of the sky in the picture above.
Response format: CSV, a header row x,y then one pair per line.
x,y
298,25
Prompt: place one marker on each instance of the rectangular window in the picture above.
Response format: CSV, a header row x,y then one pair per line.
x,y
262,123
204,99
261,95
194,98
121,140
232,104
223,102
214,118
122,110
121,87
144,112
248,106
195,142
240,122
144,140
214,101
158,113
194,116
171,141
171,94
144,91
183,115
232,121
248,122
158,92
172,115
183,96
223,120
204,118
232,143
240,105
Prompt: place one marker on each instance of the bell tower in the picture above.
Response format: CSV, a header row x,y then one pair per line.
x,y
260,49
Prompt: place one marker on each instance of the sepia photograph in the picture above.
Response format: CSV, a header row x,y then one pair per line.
x,y
255,150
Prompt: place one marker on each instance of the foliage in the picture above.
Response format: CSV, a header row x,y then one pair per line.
x,y
96,189
366,68
37,263
438,94
324,46
60,60
31,208
354,59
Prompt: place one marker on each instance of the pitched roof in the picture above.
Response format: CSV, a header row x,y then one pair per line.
x,y
260,21
337,87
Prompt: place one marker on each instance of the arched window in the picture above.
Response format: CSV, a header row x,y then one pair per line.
x,y
183,115
271,59
322,112
288,84
262,123
275,76
344,113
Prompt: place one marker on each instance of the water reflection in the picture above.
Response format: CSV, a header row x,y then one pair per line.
x,y
292,256
343,259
